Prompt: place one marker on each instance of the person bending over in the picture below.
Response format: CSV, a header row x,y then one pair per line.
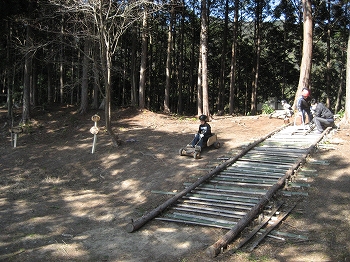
x,y
303,105
323,117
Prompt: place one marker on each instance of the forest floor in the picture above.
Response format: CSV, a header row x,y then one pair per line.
x,y
60,202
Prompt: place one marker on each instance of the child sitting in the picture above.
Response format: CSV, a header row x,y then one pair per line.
x,y
203,134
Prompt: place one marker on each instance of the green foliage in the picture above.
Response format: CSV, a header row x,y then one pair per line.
x,y
266,109
341,113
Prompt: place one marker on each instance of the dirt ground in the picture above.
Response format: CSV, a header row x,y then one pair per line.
x,y
60,202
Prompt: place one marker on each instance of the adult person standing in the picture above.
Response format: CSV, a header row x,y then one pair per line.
x,y
323,117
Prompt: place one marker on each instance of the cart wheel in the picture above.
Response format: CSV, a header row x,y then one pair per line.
x,y
196,155
217,144
180,152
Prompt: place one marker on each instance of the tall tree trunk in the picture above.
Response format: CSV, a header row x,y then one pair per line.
x,y
95,100
72,82
306,61
204,48
49,84
221,95
347,95
106,64
258,22
199,84
84,100
328,72
233,59
192,78
61,63
78,76
7,79
27,77
168,61
133,74
180,67
34,84
338,100
142,83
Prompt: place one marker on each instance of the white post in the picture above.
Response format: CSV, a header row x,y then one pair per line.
x,y
94,141
94,130
15,141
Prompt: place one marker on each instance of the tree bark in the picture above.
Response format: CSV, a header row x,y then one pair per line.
x,y
199,84
258,22
233,59
9,101
95,97
328,72
204,54
142,83
347,95
133,74
84,101
27,77
180,67
168,62
61,63
306,61
221,88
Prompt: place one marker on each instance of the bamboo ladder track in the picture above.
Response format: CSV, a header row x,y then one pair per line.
x,y
234,193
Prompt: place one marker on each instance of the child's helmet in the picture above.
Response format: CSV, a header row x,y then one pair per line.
x,y
203,118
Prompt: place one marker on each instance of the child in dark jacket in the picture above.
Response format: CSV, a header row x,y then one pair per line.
x,y
203,134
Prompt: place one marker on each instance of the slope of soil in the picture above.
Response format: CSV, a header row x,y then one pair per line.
x,y
60,202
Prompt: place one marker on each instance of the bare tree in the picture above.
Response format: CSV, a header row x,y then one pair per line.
x,y
106,21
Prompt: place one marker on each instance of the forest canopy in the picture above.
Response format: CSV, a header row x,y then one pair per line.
x,y
147,53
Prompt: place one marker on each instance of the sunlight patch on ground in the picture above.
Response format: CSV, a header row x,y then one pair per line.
x,y
20,207
166,230
54,180
315,255
64,251
85,204
131,189
184,245
126,184
84,145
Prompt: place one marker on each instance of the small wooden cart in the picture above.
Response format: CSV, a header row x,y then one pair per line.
x,y
195,151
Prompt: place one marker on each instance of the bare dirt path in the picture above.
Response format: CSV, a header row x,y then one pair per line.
x,y
59,202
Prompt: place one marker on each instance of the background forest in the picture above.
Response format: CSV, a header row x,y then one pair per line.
x,y
148,54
